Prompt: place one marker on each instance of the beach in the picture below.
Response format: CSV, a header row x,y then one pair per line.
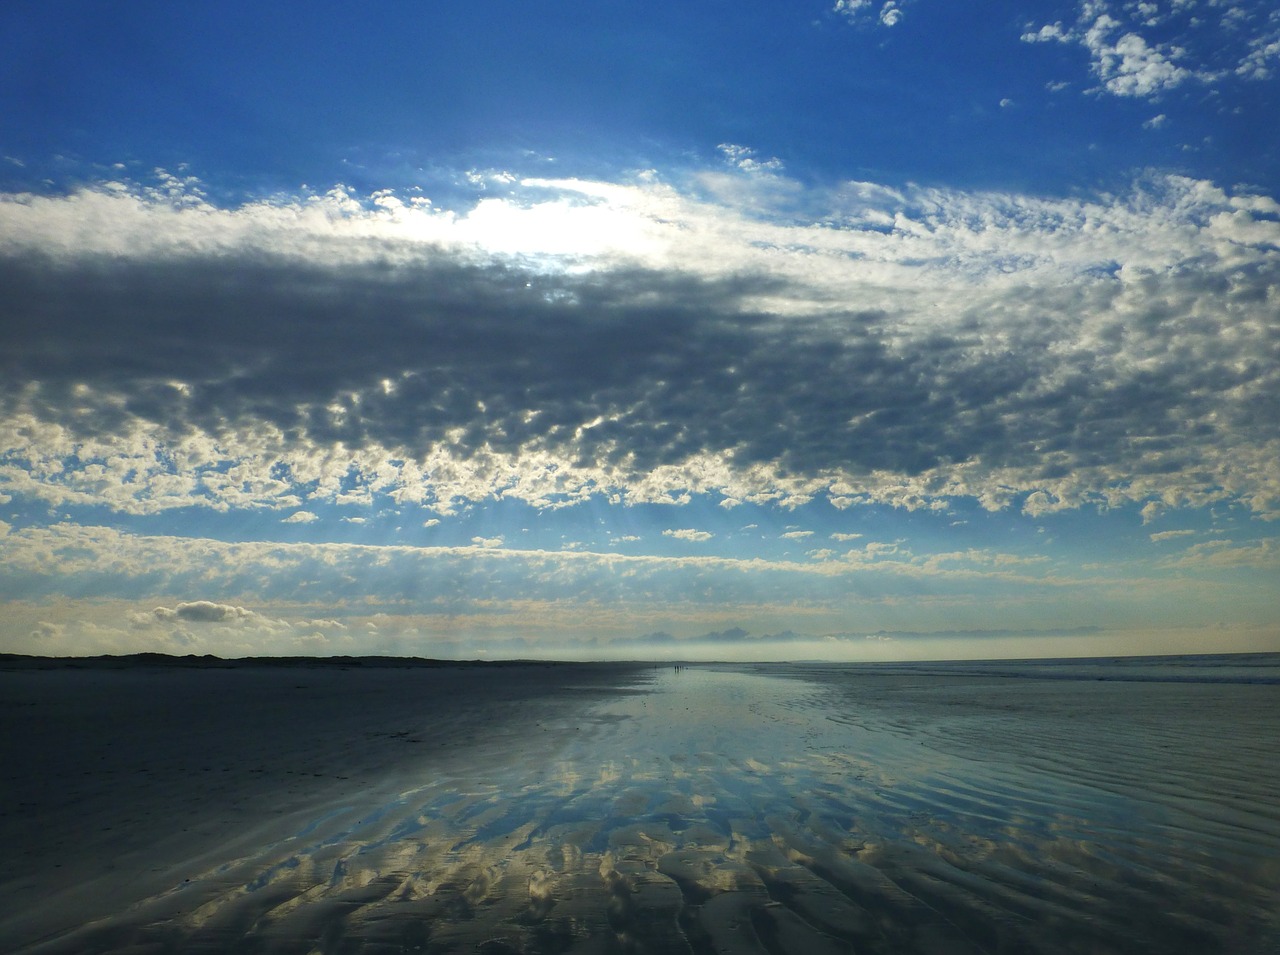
x,y
1069,806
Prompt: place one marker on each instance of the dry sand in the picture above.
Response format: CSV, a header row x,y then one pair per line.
x,y
1122,807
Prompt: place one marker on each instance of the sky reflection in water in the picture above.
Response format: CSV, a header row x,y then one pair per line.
x,y
734,810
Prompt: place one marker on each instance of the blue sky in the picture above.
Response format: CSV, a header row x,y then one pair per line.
x,y
846,330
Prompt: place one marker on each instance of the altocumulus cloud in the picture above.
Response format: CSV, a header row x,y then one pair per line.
x,y
859,342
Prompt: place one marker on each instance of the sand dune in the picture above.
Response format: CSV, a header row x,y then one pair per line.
x,y
591,809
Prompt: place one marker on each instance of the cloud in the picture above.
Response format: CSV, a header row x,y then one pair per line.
x,y
688,534
796,535
449,601
45,630
1124,62
838,536
864,11
1264,53
874,345
203,611
1170,535
744,159
1197,44
851,8
732,636
1223,554
444,580
300,517
879,548
1127,66
1043,502
984,634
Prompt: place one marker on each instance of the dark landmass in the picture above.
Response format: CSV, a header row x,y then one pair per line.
x,y
20,661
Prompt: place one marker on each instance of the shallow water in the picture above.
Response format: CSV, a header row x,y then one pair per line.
x,y
792,809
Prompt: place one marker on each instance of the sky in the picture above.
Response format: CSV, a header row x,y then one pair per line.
x,y
853,330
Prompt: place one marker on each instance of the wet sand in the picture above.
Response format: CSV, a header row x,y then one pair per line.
x,y
1086,807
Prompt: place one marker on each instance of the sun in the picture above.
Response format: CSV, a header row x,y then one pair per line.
x,y
570,222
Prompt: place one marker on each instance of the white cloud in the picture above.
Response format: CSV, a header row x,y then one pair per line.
x,y
1223,554
1048,33
1128,66
1196,43
851,8
879,549
688,534
796,535
1171,535
1264,52
864,11
838,536
1043,502
744,159
300,517
45,630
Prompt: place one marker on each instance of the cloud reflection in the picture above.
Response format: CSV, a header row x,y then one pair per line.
x,y
802,810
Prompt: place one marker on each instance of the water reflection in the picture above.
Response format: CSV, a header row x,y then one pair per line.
x,y
738,811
